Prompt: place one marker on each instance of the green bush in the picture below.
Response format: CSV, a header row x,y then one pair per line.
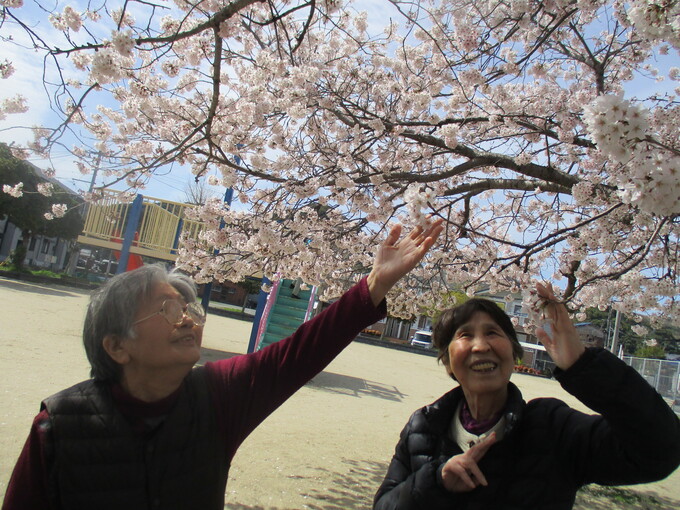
x,y
47,274
651,351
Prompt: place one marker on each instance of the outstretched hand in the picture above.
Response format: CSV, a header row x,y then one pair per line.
x,y
562,343
396,257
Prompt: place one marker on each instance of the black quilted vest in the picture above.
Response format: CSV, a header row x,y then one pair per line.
x,y
100,462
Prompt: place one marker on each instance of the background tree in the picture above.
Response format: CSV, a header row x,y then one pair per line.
x,y
251,286
511,120
40,194
197,192
604,319
653,351
666,335
448,300
16,258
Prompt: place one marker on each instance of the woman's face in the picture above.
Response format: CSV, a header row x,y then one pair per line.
x,y
159,346
480,357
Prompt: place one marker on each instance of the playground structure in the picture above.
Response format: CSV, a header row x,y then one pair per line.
x,y
147,226
283,313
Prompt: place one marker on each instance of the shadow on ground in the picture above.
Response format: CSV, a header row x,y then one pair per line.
x,y
354,386
326,381
354,484
595,497
37,288
237,506
353,488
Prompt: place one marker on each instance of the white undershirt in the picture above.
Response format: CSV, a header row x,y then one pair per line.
x,y
466,439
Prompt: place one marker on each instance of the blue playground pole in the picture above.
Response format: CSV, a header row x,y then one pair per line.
x,y
261,303
134,216
178,233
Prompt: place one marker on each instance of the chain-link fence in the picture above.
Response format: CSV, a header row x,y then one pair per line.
x,y
662,374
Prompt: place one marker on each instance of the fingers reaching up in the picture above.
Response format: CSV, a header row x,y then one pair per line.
x,y
399,255
562,342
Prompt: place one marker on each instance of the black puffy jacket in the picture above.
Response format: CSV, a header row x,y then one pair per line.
x,y
101,463
549,450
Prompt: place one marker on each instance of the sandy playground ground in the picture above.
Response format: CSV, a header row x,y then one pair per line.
x,y
326,448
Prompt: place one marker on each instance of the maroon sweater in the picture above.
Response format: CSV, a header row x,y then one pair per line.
x,y
245,390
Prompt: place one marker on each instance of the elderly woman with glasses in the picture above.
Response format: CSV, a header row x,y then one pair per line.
x,y
151,431
481,446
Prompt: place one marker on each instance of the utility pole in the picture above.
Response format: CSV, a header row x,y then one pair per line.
x,y
615,339
75,251
608,327
94,173
92,181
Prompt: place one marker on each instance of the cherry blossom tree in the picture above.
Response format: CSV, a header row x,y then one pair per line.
x,y
539,130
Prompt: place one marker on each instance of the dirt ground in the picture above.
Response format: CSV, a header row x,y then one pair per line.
x,y
326,448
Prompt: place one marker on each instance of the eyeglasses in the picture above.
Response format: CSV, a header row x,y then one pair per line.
x,y
174,311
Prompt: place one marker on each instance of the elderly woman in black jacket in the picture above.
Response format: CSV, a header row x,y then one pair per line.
x,y
481,446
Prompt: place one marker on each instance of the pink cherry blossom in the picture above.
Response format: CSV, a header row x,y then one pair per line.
x,y
15,191
59,210
6,69
46,188
502,118
12,4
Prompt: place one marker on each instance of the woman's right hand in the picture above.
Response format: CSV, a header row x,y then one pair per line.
x,y
563,343
461,472
396,257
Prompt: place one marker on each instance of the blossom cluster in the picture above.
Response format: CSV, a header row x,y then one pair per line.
x,y
648,177
106,66
45,188
12,4
123,42
16,104
15,191
616,126
639,330
68,19
58,211
656,19
417,199
6,69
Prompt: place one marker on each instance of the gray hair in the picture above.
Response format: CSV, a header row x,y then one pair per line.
x,y
112,310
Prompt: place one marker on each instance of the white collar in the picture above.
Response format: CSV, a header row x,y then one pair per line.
x,y
465,439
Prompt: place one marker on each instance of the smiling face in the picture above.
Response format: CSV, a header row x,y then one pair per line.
x,y
158,346
481,358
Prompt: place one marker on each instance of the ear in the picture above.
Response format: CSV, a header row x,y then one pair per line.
x,y
115,348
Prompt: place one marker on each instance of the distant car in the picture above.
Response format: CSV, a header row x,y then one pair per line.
x,y
111,265
422,338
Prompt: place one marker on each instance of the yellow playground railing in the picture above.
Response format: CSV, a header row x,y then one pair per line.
x,y
156,234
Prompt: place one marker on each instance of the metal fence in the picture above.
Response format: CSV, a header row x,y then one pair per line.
x,y
662,374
